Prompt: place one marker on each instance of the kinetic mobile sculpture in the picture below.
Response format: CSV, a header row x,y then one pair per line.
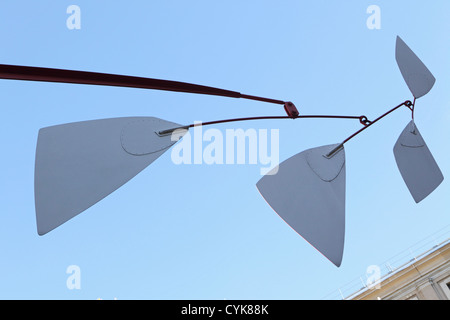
x,y
78,164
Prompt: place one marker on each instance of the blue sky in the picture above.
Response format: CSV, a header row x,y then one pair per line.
x,y
203,231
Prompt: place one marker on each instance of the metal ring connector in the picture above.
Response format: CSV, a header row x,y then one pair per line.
x,y
364,121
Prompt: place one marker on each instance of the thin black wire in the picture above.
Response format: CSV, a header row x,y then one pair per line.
x,y
362,119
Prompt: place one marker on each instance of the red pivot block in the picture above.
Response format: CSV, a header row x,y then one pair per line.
x,y
291,110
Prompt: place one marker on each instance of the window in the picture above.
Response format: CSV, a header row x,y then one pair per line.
x,y
445,286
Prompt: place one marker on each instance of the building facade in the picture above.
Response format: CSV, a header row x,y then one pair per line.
x,y
423,278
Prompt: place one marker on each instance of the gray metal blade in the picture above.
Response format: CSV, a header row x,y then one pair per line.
x,y
416,163
78,164
308,193
417,76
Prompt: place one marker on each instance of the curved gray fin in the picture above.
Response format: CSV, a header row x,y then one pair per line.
x,y
78,164
308,193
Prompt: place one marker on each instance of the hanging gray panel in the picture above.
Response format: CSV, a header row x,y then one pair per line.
x,y
78,164
308,193
416,163
416,75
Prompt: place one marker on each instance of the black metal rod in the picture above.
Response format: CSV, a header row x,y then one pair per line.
x,y
335,150
168,131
